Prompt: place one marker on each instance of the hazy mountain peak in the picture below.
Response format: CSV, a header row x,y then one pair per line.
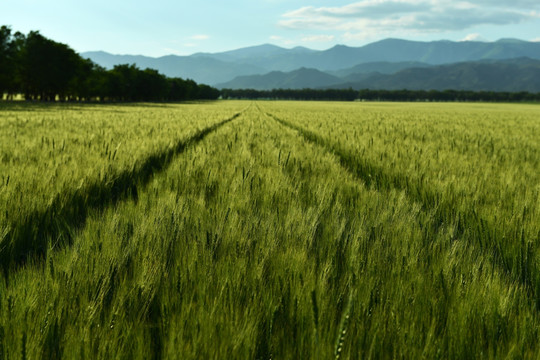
x,y
302,49
511,41
298,79
340,46
263,48
391,41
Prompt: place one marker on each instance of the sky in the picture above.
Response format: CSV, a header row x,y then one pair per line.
x,y
162,27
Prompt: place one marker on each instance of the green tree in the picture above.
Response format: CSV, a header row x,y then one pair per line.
x,y
7,61
47,68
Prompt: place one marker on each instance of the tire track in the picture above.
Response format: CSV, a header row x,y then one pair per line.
x,y
58,223
484,235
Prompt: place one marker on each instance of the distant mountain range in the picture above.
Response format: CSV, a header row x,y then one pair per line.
x,y
297,79
504,65
513,75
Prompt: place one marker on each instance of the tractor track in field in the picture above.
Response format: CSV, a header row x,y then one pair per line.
x,y
486,237
57,223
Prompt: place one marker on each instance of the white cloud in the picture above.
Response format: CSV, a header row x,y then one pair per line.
x,y
311,22
318,38
506,3
192,41
536,40
473,37
200,37
386,16
372,8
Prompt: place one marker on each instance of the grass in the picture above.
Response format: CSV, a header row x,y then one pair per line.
x,y
291,230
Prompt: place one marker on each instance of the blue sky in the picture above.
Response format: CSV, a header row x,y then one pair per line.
x,y
162,27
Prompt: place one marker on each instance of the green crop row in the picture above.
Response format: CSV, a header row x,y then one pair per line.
x,y
474,165
57,162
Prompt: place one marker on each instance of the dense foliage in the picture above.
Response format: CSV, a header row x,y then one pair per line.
x,y
291,94
447,95
286,230
42,69
379,95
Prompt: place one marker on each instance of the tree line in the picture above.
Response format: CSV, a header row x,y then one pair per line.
x,y
291,94
44,70
447,95
380,95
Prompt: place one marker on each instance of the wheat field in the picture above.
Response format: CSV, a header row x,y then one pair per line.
x,y
270,230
